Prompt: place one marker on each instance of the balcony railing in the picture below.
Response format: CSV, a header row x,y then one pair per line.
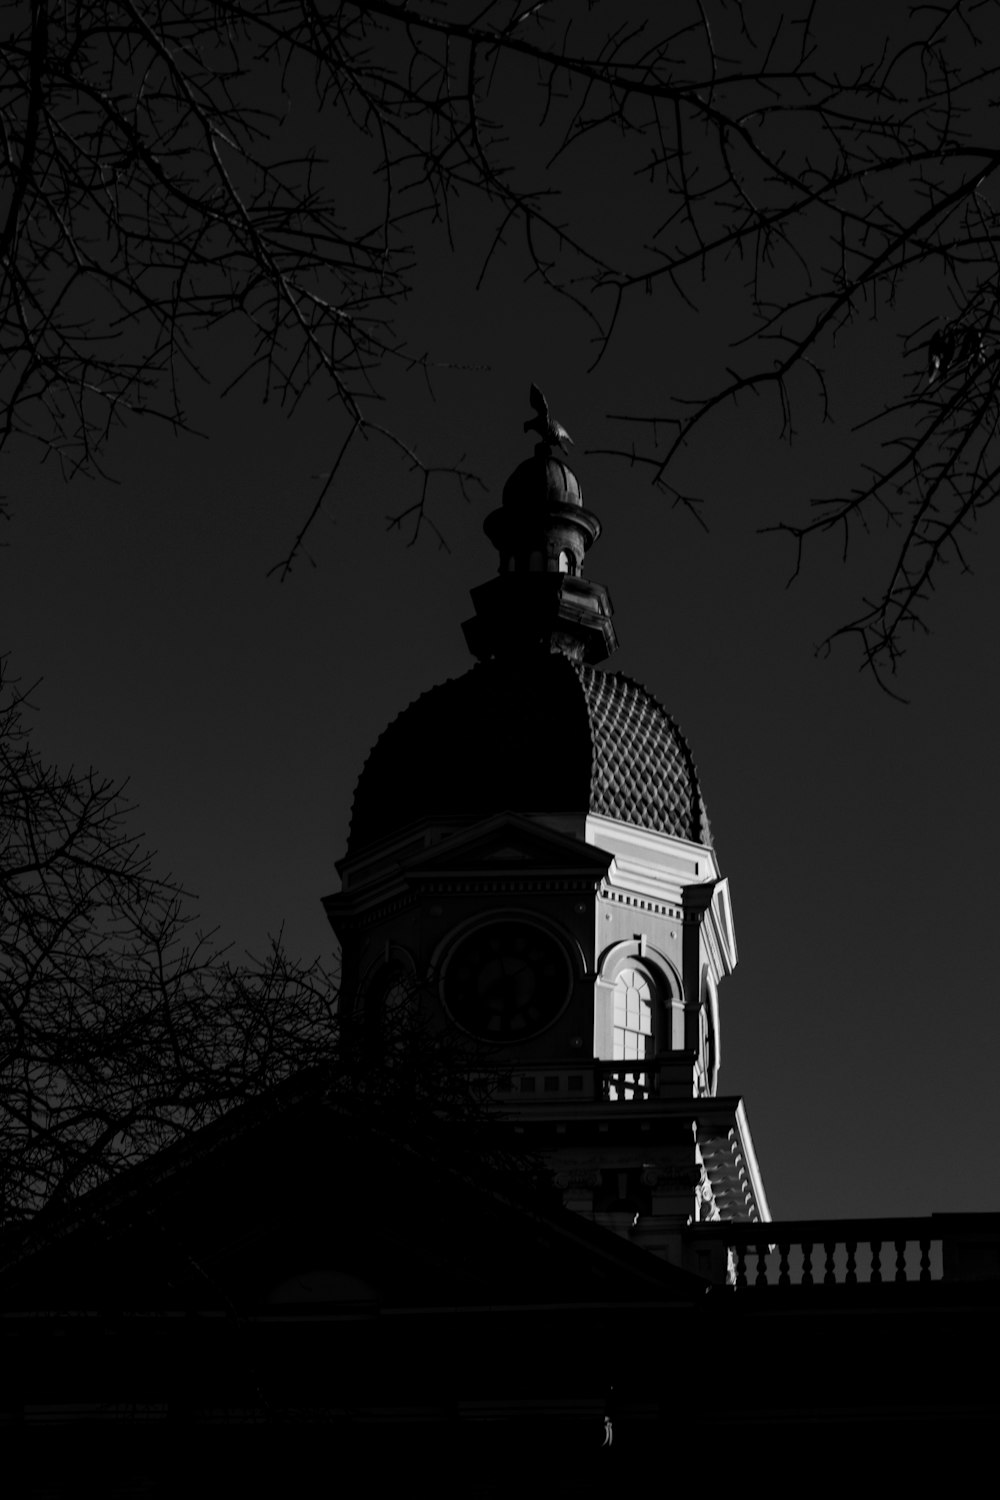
x,y
631,1082
849,1252
618,1082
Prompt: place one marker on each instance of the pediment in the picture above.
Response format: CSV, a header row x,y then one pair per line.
x,y
509,843
232,1216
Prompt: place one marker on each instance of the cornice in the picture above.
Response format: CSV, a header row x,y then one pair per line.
x,y
629,841
641,901
514,884
731,1162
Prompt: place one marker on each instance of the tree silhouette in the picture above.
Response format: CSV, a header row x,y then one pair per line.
x,y
121,1027
273,166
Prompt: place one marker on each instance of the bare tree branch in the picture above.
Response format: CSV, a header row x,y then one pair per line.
x,y
121,1026
161,185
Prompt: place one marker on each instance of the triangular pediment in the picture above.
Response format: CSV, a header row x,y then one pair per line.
x,y
508,854
509,842
233,1216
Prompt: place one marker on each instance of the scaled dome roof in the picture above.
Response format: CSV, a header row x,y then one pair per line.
x,y
538,733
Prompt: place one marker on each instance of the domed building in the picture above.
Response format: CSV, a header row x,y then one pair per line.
x,y
530,870
347,1265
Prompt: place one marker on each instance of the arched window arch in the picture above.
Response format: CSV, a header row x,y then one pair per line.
x,y
633,1014
639,1010
388,1000
637,1024
395,1006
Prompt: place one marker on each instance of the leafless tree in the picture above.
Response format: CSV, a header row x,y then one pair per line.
x,y
159,183
120,1026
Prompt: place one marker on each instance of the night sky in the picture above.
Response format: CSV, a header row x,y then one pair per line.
x,y
858,834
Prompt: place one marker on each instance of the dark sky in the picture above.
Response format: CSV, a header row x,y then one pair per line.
x,y
858,835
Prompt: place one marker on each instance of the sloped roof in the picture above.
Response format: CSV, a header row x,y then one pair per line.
x,y
536,734
310,1179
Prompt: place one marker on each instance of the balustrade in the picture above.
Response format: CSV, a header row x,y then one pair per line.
x,y
832,1259
609,1082
621,1081
854,1252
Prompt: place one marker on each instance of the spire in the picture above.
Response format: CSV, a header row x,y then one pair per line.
x,y
539,598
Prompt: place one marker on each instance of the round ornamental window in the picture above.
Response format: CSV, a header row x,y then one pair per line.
x,y
506,981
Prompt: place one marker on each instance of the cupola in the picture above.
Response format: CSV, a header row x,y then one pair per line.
x,y
530,875
542,532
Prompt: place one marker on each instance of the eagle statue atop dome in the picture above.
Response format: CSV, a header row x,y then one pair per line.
x,y
551,432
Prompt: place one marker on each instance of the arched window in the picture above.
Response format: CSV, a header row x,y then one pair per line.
x,y
391,1008
388,1005
394,995
564,563
632,1019
639,1015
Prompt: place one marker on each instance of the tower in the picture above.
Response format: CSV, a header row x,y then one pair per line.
x,y
530,866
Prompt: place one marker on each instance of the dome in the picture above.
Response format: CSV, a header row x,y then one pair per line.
x,y
540,482
540,733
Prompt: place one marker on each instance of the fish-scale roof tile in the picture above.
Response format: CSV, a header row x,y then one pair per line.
x,y
541,734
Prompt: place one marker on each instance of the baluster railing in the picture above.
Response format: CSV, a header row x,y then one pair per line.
x,y
623,1082
851,1275
855,1253
900,1247
761,1278
807,1260
925,1260
829,1274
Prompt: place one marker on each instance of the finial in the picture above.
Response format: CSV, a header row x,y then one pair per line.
x,y
552,433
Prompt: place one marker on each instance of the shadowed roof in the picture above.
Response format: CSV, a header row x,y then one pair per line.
x,y
536,734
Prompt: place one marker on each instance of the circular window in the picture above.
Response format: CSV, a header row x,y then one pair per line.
x,y
506,981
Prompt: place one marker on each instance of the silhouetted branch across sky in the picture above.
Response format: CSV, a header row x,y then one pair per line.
x,y
282,171
121,1025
